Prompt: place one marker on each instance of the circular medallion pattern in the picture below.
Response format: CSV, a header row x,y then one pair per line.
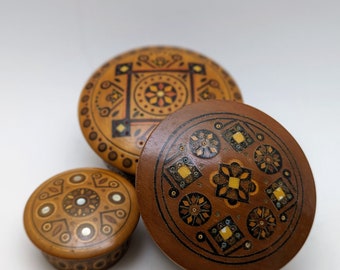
x,y
261,222
81,202
194,209
128,96
241,206
204,144
82,214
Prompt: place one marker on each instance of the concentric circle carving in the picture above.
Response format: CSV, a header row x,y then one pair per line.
x,y
86,232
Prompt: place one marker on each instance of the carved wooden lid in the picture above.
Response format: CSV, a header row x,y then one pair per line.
x,y
127,97
81,213
222,185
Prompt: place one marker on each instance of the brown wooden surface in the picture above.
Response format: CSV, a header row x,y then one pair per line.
x,y
82,214
221,185
127,97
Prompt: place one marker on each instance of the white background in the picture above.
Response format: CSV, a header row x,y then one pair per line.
x,y
284,55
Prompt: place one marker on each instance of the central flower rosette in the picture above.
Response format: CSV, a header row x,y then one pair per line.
x,y
160,94
233,183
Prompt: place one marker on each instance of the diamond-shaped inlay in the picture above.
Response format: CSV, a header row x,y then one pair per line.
x,y
184,172
197,68
226,233
123,68
120,128
238,137
279,193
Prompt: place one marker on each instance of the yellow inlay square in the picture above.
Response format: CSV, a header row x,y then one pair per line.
x,y
184,171
238,137
279,193
226,233
124,68
120,128
234,182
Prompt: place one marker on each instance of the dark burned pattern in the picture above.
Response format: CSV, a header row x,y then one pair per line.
x,y
98,263
127,97
234,186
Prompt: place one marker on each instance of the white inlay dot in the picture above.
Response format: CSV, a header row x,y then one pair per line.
x,y
81,201
78,178
116,197
45,210
86,231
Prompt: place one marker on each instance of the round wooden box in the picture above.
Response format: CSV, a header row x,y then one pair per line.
x,y
127,97
222,185
82,219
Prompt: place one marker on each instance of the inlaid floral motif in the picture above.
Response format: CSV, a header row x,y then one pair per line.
x,y
261,223
195,209
160,94
233,183
268,159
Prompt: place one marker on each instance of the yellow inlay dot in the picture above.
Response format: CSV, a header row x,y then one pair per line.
x,y
238,137
184,171
120,128
124,68
197,68
279,193
160,93
234,182
226,233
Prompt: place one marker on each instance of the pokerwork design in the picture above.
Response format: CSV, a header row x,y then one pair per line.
x,y
98,263
127,97
212,198
68,211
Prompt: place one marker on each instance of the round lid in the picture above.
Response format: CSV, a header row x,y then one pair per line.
x,y
81,213
222,185
128,96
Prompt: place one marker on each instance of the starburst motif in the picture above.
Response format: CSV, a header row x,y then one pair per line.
x,y
268,159
261,223
204,144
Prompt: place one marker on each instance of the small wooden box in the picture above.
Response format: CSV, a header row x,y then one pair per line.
x,y
127,97
224,186
82,218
